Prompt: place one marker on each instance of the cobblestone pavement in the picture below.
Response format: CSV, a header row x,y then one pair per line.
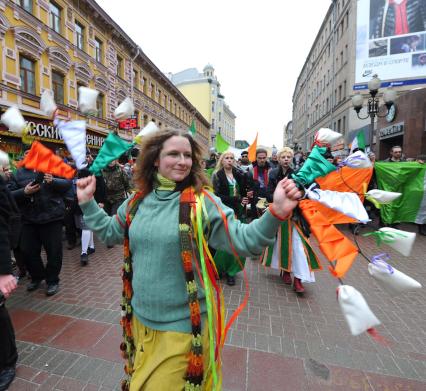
x,y
280,342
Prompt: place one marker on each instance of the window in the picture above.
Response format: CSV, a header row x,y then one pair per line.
x,y
344,124
135,79
119,70
339,123
344,89
98,50
212,106
100,105
55,17
212,123
27,5
152,91
145,86
27,73
79,36
340,92
341,58
58,87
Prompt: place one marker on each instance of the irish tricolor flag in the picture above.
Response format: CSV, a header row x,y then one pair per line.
x,y
358,141
408,178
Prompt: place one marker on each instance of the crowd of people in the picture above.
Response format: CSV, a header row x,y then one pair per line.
x,y
251,211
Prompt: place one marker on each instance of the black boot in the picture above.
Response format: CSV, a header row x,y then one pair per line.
x,y
6,377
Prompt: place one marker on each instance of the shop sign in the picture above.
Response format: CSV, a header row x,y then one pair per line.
x,y
392,131
129,123
51,132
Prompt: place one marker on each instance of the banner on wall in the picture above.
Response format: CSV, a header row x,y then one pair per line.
x,y
391,42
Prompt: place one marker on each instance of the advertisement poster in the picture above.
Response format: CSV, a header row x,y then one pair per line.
x,y
391,41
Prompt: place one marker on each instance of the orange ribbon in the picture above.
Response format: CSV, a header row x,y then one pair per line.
x,y
336,247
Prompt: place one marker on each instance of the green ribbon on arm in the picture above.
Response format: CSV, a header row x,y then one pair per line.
x,y
385,237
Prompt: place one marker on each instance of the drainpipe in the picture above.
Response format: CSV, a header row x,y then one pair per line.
x,y
138,50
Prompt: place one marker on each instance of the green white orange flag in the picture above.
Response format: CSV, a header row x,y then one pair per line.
x,y
358,141
408,178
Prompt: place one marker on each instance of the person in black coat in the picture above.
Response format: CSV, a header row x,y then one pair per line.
x,y
42,208
8,352
229,183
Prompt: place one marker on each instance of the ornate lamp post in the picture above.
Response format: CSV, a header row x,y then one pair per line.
x,y
389,97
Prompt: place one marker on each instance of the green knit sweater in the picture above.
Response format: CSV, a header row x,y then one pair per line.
x,y
160,300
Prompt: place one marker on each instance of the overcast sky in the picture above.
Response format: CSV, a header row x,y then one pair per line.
x,y
256,47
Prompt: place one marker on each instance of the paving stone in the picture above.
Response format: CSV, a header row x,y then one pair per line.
x,y
274,321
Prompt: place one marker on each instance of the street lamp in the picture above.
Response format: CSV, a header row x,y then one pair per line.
x,y
389,97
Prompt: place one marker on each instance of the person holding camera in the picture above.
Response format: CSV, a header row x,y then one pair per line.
x,y
40,199
8,352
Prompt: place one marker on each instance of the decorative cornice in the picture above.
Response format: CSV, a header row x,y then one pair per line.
x,y
101,84
27,17
58,38
83,72
4,25
29,41
59,58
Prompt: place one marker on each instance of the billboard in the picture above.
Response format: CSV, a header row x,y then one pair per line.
x,y
391,41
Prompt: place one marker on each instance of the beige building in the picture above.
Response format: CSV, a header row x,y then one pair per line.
x,y
323,91
203,91
61,45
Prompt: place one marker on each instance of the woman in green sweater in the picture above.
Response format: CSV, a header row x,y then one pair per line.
x,y
168,277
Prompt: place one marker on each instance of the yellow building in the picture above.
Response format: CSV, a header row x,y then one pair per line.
x,y
203,91
61,45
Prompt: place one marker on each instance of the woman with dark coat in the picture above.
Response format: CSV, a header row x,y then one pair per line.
x,y
229,184
8,352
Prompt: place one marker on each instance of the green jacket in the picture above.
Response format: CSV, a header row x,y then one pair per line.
x,y
160,299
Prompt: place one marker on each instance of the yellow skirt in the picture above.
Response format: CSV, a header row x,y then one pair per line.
x,y
161,358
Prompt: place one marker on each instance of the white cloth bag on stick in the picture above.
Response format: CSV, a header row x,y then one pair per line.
x,y
47,103
382,196
14,120
392,280
403,241
74,136
124,110
357,159
327,136
87,100
355,309
151,127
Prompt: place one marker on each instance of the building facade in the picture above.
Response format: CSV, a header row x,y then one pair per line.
x,y
203,91
61,45
323,91
406,126
288,135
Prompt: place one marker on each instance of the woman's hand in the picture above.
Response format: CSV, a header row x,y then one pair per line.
x,y
86,188
286,197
